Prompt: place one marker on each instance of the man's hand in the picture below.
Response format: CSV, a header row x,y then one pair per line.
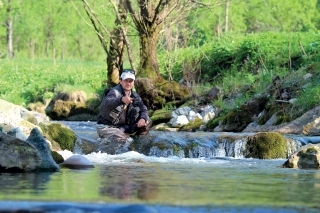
x,y
141,123
127,99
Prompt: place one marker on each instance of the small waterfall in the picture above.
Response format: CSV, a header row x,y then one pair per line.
x,y
185,144
232,148
196,144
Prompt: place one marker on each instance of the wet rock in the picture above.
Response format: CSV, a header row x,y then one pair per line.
x,y
85,145
17,155
17,132
77,162
57,157
113,145
47,162
307,157
312,128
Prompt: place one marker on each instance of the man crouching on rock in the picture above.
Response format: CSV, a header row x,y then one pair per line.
x,y
122,111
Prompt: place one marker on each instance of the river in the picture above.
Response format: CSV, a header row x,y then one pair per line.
x,y
135,183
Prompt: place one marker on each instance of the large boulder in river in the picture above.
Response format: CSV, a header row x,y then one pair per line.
x,y
307,157
17,155
266,145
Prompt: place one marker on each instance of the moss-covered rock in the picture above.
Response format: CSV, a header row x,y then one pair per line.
x,y
66,105
161,116
63,109
64,136
235,121
282,117
17,155
28,116
163,145
238,119
37,107
158,92
189,148
266,145
307,157
57,157
193,125
214,122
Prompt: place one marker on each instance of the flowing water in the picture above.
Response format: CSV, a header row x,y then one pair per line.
x,y
132,182
135,183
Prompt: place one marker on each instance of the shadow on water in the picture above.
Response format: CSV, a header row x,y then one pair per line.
x,y
15,183
127,184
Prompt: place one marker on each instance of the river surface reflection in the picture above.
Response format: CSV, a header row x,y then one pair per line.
x,y
184,185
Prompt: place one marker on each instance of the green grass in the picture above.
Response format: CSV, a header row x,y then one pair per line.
x,y
25,81
242,66
245,65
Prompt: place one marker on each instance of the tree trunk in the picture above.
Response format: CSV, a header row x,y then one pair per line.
x,y
32,49
227,17
53,53
10,37
115,48
149,66
117,45
9,31
47,49
115,58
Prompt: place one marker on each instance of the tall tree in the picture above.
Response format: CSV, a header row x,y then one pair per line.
x,y
148,17
46,28
113,39
9,10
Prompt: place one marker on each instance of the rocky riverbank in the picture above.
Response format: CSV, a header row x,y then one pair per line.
x,y
81,138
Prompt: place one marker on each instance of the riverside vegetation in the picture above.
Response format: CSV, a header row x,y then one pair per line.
x,y
241,66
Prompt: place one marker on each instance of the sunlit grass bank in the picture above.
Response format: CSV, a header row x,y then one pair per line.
x,y
26,81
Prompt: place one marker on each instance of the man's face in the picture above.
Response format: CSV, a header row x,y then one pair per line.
x,y
127,84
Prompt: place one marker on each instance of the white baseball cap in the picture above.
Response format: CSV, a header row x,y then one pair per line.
x,y
126,75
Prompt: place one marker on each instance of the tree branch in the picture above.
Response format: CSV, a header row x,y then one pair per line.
x,y
126,40
94,18
137,21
